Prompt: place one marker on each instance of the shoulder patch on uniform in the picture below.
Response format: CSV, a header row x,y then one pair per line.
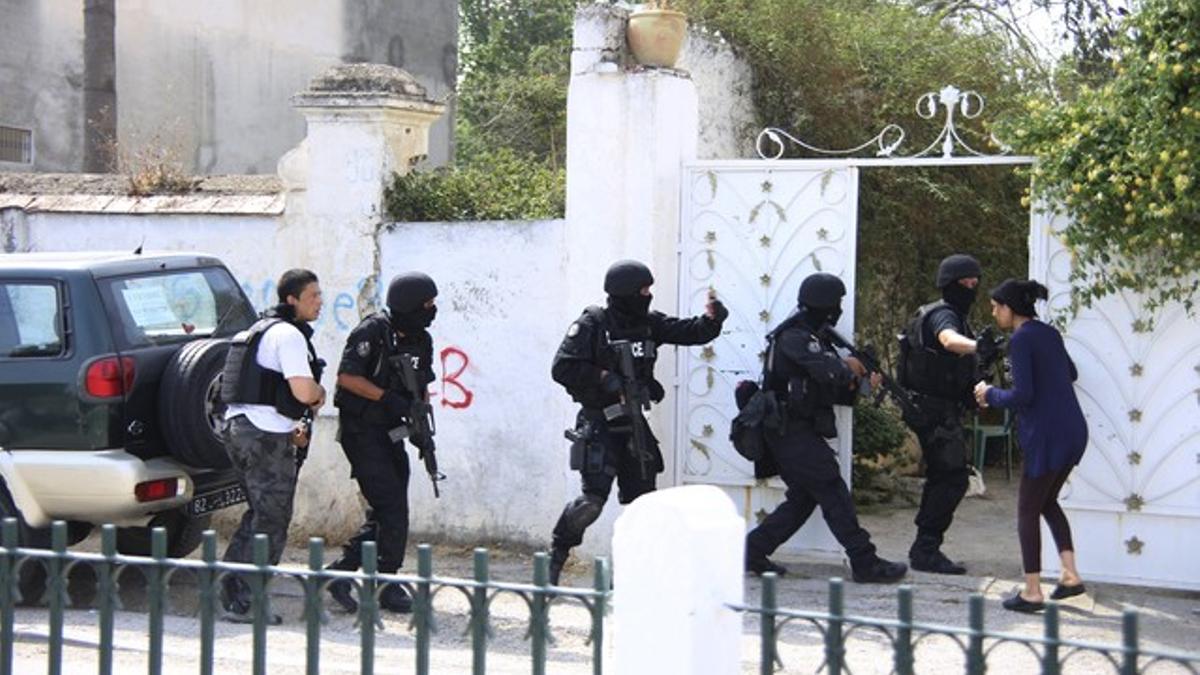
x,y
573,330
363,348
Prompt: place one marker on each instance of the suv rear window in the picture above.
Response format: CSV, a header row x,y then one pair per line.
x,y
30,320
176,306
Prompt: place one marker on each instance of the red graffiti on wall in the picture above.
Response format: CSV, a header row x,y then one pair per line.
x,y
456,360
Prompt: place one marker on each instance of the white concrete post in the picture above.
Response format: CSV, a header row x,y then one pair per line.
x,y
677,557
628,133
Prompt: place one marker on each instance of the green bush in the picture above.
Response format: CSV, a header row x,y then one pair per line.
x,y
1122,157
879,457
497,185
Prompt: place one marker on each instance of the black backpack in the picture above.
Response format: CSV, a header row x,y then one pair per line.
x,y
759,413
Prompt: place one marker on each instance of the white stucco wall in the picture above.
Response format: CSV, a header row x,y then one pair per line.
x,y
724,88
501,316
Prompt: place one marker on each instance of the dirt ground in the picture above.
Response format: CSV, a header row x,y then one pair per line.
x,y
983,537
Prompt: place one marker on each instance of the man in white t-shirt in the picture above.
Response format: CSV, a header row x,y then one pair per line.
x,y
272,386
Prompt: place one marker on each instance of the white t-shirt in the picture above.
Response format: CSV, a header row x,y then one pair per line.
x,y
283,350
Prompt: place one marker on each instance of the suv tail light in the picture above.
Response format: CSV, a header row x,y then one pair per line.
x,y
109,377
154,490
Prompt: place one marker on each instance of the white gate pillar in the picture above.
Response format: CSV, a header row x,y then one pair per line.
x,y
677,557
628,133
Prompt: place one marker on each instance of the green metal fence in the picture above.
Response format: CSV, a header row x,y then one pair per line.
x,y
978,644
208,573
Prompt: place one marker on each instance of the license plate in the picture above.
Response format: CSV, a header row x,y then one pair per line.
x,y
213,501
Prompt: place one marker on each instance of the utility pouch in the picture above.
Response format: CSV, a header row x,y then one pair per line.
x,y
581,439
397,434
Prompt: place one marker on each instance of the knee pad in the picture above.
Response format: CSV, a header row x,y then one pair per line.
x,y
583,512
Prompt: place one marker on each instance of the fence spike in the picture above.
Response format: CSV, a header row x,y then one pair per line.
x,y
835,649
208,576
368,607
423,606
105,590
975,657
903,647
479,614
313,612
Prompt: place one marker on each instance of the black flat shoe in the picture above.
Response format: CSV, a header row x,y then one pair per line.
x,y
1063,592
1018,604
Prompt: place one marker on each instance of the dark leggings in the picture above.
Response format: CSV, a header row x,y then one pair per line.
x,y
1039,497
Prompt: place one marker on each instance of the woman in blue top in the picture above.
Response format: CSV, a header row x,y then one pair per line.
x,y
1050,427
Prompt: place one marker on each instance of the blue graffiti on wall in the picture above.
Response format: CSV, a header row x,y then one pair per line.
x,y
340,312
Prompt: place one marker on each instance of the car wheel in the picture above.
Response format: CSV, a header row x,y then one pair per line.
x,y
184,534
32,580
190,408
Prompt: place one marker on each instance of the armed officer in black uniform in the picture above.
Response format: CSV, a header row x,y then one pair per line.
x,y
588,366
809,378
938,363
373,404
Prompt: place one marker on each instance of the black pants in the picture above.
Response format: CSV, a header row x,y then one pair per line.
x,y
1039,497
944,448
620,465
382,470
809,468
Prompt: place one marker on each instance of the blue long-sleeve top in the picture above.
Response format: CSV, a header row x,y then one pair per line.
x,y
1050,424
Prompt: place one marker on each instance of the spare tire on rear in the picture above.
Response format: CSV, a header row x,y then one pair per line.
x,y
191,412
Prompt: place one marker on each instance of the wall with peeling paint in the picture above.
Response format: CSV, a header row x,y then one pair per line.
x,y
502,313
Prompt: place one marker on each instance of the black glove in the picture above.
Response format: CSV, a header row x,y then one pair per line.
x,y
655,391
612,383
987,347
720,311
394,405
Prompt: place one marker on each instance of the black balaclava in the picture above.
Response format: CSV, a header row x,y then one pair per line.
x,y
1020,296
950,271
624,282
406,298
820,298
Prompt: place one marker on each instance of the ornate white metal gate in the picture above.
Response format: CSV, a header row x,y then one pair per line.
x,y
1134,500
752,231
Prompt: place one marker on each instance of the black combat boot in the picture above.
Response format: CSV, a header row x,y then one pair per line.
x,y
340,591
760,565
878,571
934,561
395,598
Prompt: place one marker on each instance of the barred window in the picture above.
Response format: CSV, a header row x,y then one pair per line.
x,y
16,145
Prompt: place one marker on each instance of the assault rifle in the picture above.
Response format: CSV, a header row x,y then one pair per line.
x,y
988,348
421,428
633,402
908,407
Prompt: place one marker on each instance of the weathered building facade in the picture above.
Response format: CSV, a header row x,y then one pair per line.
x,y
205,83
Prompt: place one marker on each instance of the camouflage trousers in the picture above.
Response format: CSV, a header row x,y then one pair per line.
x,y
266,464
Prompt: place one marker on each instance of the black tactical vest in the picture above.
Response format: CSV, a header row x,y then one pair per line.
x,y
245,381
929,370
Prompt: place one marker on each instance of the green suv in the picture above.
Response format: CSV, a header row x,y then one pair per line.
x,y
110,368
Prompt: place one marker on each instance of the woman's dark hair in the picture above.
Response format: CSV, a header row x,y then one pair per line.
x,y
292,282
1020,295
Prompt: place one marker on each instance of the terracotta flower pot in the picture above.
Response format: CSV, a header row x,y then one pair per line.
x,y
656,35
